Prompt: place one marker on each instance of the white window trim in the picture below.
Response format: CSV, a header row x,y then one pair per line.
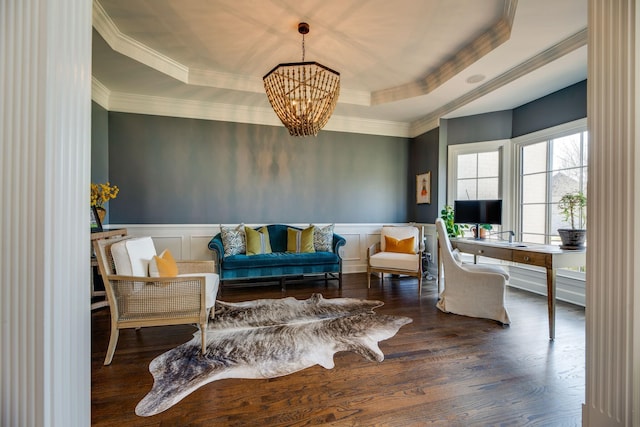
x,y
559,131
569,128
506,171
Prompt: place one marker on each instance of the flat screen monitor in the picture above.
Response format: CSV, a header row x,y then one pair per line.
x,y
477,212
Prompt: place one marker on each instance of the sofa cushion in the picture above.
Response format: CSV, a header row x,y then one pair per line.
x,y
300,240
323,238
163,265
257,241
234,240
131,256
280,259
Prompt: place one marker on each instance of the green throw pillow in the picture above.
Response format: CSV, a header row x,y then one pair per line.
x,y
300,240
257,241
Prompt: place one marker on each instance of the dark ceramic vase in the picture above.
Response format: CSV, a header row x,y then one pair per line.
x,y
572,238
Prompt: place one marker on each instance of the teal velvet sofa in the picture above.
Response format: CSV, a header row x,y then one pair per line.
x,y
279,264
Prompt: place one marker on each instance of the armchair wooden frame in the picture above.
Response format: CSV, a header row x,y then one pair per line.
x,y
137,302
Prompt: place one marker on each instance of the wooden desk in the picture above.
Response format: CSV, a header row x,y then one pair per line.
x,y
547,256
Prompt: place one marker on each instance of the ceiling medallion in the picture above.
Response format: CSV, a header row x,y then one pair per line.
x,y
303,94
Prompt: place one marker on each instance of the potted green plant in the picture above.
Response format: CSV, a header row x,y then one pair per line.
x,y
453,229
484,229
572,208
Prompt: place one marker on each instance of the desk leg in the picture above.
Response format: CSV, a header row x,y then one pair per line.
x,y
439,269
551,301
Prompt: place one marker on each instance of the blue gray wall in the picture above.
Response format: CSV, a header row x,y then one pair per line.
x,y
187,171
479,127
173,170
560,107
99,143
423,158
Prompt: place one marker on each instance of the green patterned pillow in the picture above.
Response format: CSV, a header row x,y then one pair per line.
x,y
257,241
323,238
300,240
233,240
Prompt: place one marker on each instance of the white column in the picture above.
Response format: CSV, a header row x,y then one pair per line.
x,y
613,258
45,93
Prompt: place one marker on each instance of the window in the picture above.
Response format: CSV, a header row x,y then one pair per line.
x,y
477,171
549,169
478,176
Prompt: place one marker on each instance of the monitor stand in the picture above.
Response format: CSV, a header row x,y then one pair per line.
x,y
478,232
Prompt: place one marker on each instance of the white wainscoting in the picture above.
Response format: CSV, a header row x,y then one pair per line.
x,y
190,241
570,285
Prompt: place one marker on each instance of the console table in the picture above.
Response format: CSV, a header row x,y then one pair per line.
x,y
548,256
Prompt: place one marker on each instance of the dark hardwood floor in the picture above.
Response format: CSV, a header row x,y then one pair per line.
x,y
441,370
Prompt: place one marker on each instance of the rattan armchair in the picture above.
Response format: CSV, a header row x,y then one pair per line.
x,y
151,301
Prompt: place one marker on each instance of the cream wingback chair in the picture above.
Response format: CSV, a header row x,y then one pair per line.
x,y
398,252
475,290
144,289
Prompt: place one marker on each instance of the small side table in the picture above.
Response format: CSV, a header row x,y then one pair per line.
x,y
94,266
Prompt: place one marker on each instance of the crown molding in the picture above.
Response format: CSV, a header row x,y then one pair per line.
x,y
172,107
132,48
99,93
555,52
489,40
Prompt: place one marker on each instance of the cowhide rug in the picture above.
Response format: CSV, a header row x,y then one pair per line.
x,y
268,338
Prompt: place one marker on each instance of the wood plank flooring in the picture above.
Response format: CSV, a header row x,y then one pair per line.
x,y
440,370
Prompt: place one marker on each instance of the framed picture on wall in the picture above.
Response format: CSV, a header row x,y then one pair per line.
x,y
96,226
423,188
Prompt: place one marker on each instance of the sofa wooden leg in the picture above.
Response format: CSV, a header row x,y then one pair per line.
x,y
283,286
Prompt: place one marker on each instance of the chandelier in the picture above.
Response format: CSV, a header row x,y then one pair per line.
x,y
303,94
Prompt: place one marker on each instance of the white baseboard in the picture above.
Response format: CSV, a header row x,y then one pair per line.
x,y
570,286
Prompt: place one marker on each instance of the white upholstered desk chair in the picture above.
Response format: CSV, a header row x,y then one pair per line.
x,y
475,290
398,252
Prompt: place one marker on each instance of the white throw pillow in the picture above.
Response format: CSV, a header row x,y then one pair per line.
x,y
131,257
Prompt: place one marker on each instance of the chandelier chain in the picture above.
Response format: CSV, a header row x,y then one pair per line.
x,y
303,48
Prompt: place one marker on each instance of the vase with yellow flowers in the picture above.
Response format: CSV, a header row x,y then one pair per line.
x,y
101,194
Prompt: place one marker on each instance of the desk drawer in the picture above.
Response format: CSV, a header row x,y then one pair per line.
x,y
531,258
488,251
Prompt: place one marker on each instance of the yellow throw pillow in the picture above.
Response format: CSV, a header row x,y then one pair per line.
x,y
404,246
257,241
163,265
300,240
